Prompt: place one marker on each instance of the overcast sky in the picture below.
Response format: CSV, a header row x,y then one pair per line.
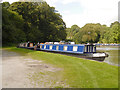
x,y
81,12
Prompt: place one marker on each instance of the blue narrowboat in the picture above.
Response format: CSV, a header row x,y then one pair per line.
x,y
69,48
86,51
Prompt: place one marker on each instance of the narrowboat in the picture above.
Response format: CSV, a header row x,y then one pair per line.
x,y
28,45
83,50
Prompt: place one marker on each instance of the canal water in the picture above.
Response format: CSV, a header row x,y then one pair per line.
x,y
113,52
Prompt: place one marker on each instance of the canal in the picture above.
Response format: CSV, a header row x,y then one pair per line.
x,y
113,52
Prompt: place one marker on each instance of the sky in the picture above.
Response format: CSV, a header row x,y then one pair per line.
x,y
81,12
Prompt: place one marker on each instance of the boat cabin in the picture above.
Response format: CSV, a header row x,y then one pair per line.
x,y
31,44
26,44
23,44
76,48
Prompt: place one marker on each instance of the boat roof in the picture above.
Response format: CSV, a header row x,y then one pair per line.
x,y
71,44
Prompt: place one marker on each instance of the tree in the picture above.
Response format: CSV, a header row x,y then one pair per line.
x,y
116,22
104,34
112,33
78,37
5,5
91,33
41,18
115,32
72,31
12,26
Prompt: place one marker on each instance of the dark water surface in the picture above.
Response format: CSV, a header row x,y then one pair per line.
x,y
113,52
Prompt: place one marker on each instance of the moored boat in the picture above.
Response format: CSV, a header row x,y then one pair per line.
x,y
83,50
80,50
28,45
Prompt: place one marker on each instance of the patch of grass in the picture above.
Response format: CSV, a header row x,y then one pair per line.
x,y
78,73
59,87
18,50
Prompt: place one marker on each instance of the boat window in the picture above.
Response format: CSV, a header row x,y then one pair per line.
x,y
85,49
57,47
40,46
65,48
88,48
26,45
51,47
44,46
94,49
75,48
31,44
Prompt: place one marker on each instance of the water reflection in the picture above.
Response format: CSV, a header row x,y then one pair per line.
x,y
113,54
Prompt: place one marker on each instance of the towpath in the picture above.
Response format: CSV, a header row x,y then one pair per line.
x,y
21,72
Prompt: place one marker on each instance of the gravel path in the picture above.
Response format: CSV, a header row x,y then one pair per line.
x,y
21,72
14,71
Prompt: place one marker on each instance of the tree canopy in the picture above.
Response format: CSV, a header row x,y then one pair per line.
x,y
12,27
39,21
72,31
94,33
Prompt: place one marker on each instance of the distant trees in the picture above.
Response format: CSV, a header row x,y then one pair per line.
x,y
93,33
116,33
90,33
39,21
112,35
72,31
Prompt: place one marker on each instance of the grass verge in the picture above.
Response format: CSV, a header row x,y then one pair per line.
x,y
77,72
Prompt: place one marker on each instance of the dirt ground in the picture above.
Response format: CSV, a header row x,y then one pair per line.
x,y
22,72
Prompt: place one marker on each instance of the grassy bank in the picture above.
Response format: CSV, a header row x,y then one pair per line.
x,y
78,73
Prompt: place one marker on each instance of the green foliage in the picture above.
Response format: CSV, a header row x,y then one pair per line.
x,y
111,34
78,37
72,31
103,32
31,21
38,22
88,34
12,26
5,5
115,33
42,23
93,33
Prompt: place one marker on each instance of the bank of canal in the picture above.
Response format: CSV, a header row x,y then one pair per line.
x,y
74,72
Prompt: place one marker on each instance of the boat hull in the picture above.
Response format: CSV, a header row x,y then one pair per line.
x,y
79,55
